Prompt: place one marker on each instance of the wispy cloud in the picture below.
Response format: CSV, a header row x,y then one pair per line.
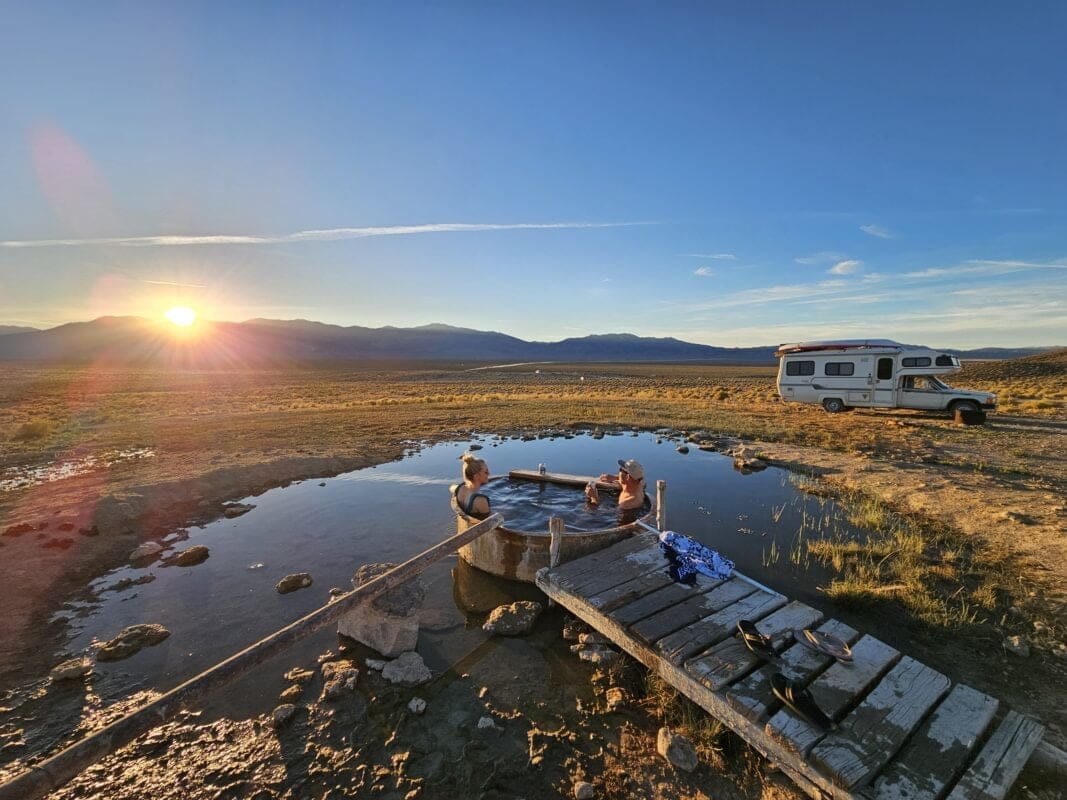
x,y
876,230
704,272
174,283
845,267
712,256
325,235
982,267
823,257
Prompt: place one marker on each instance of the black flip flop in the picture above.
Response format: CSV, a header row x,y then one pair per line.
x,y
825,643
756,641
799,700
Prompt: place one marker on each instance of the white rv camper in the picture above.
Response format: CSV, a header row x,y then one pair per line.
x,y
873,373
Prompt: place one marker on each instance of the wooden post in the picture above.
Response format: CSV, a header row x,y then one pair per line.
x,y
51,774
661,505
555,529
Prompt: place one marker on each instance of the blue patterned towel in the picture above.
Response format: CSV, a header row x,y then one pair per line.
x,y
687,557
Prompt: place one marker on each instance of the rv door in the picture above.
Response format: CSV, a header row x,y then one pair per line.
x,y
884,388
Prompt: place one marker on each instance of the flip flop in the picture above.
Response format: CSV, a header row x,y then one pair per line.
x,y
756,641
825,643
799,701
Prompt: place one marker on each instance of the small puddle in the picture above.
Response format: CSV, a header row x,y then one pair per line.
x,y
13,478
389,513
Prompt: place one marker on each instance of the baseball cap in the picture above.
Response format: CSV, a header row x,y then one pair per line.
x,y
632,467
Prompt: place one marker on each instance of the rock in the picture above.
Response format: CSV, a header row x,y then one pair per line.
x,y
615,698
683,449
299,675
322,483
597,654
678,750
593,638
417,705
74,669
290,583
197,554
376,664
474,447
130,640
291,694
145,550
1018,645
573,629
255,566
236,510
336,591
583,790
407,670
338,677
486,723
282,714
390,623
514,619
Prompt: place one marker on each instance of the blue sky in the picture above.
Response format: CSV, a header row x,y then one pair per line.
x,y
733,174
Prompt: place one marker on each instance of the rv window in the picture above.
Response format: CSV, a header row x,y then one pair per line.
x,y
885,369
840,368
915,362
800,368
943,361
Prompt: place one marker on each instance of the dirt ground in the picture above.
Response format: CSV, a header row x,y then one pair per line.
x,y
209,438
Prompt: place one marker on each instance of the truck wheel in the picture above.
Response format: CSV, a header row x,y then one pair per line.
x,y
963,405
833,405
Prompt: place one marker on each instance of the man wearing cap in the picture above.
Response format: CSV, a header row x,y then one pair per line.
x,y
631,483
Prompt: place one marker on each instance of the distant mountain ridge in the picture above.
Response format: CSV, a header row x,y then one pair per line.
x,y
265,341
6,329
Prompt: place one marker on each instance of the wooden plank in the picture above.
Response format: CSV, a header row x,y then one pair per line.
x,y
836,691
873,733
810,780
1001,760
729,660
638,589
752,696
709,631
692,610
562,479
933,759
626,569
609,555
657,601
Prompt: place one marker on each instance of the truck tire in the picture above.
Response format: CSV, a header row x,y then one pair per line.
x,y
963,405
833,405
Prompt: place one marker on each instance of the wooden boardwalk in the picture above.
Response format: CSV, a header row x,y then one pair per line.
x,y
905,732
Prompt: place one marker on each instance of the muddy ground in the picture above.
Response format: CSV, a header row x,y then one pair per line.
x,y
1002,485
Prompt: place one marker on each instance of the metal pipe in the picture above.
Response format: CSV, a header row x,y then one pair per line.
x,y
738,575
52,773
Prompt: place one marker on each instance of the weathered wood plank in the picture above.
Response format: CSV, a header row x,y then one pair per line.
x,y
729,660
836,691
562,479
670,595
633,566
873,733
632,590
937,754
1001,760
695,608
712,702
711,630
609,555
752,696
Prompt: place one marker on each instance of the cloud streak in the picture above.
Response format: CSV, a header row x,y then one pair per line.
x,y
876,230
325,235
712,256
845,267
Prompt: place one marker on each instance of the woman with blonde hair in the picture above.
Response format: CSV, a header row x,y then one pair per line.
x,y
466,495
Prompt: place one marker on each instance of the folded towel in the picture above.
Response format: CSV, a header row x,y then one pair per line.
x,y
687,557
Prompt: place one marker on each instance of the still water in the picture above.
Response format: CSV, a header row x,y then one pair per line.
x,y
391,512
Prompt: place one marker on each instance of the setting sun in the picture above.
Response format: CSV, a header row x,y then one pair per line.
x,y
182,316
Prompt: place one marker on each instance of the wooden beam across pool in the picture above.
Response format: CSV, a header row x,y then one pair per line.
x,y
562,479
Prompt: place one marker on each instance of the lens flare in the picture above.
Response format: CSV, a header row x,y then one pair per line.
x,y
182,316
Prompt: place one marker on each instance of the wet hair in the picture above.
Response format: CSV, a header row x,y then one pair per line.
x,y
472,465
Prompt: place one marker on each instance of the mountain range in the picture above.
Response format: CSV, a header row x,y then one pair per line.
x,y
260,342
